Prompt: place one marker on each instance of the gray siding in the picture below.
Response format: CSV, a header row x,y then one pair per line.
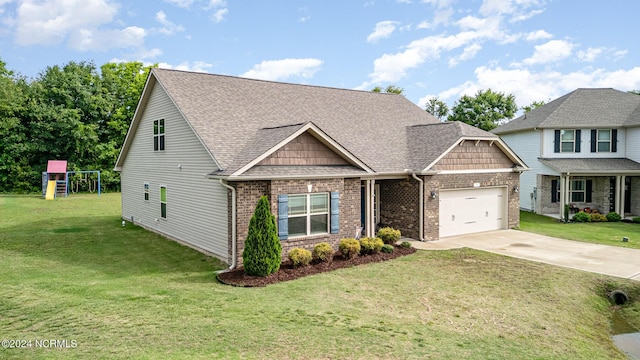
x,y
197,212
527,146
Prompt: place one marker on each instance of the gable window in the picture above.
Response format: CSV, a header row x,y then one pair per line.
x,y
158,135
604,140
146,191
567,141
163,202
307,214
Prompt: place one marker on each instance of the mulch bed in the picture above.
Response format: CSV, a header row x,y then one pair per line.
x,y
287,272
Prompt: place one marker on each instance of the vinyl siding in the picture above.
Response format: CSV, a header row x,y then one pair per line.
x,y
585,146
632,143
197,212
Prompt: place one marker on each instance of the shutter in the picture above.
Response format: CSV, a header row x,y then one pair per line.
x,y
556,141
614,140
588,188
577,141
554,191
594,140
283,217
335,212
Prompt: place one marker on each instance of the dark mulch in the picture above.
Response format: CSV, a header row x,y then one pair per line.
x,y
287,272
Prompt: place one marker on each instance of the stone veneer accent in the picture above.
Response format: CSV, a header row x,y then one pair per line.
x,y
249,192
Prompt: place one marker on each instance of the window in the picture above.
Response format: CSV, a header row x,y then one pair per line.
x,y
163,202
604,140
146,191
308,214
567,141
158,135
577,191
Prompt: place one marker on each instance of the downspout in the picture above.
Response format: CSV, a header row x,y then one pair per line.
x,y
234,237
421,212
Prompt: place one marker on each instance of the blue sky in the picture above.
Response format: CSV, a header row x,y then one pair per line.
x,y
534,49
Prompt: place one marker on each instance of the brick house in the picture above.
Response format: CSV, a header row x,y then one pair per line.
x,y
203,148
583,150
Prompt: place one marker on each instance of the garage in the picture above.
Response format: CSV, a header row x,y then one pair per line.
x,y
472,210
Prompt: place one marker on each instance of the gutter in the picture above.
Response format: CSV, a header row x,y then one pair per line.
x,y
234,237
421,205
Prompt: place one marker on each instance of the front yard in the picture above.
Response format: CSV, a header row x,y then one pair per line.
x,y
71,271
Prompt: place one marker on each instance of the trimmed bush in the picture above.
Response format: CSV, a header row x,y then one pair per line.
x,y
370,245
299,257
349,247
323,252
613,217
582,216
387,248
389,235
636,219
597,217
405,244
262,252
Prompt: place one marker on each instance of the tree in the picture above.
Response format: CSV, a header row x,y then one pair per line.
x,y
262,252
534,105
637,92
437,108
391,89
485,110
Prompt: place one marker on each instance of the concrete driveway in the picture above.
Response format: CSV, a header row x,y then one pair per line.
x,y
602,259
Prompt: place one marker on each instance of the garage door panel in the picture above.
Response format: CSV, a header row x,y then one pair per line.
x,y
471,210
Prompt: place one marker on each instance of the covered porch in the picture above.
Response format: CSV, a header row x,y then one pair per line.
x,y
592,186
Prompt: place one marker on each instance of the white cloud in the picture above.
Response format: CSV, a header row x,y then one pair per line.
x,y
168,28
383,30
552,51
284,69
537,35
590,54
195,66
219,15
84,40
468,53
180,3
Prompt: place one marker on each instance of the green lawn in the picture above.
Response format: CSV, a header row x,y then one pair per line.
x,y
71,272
606,233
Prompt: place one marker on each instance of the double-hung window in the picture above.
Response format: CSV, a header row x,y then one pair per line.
x,y
567,140
578,191
146,191
158,135
163,202
308,214
604,140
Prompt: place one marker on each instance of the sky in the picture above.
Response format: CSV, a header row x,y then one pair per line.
x,y
536,50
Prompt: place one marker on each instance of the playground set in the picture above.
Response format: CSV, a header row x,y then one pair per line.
x,y
57,181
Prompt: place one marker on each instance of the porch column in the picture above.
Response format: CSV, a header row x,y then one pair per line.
x,y
617,194
372,204
564,193
623,190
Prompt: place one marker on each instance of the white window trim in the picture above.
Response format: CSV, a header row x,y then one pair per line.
x,y
163,202
583,191
159,135
146,192
308,214
573,142
598,141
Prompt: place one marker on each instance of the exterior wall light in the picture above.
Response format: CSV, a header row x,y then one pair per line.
x,y
434,194
516,189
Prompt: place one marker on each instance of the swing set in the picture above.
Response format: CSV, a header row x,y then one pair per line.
x,y
57,181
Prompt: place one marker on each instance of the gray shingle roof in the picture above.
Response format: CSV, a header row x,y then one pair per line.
x,y
589,108
592,166
239,119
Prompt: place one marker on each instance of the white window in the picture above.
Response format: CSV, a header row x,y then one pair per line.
x,y
578,191
163,202
158,135
604,141
146,191
567,140
308,214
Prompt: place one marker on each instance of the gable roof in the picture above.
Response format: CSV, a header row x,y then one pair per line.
x,y
240,121
587,108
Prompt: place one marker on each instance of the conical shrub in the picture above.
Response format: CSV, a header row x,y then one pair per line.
x,y
262,252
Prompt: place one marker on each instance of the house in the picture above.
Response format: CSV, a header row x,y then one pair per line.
x,y
203,148
583,150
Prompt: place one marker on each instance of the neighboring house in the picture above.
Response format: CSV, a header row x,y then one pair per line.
x,y
203,148
583,150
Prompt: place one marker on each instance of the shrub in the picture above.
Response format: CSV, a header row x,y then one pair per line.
x,y
349,247
370,245
389,235
614,217
323,251
299,256
405,244
597,217
387,248
262,252
582,216
636,219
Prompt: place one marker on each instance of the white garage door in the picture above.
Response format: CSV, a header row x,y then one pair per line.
x,y
472,210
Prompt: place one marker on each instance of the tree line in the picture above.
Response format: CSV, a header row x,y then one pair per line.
x,y
75,112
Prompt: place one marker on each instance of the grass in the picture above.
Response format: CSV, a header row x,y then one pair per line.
x,y
70,271
605,233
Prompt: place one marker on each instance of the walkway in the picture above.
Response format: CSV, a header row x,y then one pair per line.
x,y
602,259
